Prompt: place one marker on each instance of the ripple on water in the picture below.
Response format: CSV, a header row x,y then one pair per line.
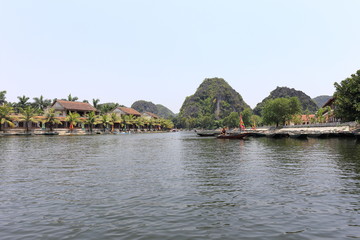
x,y
178,186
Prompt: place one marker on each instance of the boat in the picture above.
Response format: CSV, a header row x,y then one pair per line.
x,y
233,136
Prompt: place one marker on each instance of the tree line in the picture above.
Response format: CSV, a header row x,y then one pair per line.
x,y
29,113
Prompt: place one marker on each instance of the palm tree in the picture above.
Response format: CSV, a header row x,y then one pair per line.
x,y
72,99
140,122
50,117
146,122
40,103
5,111
73,118
155,123
95,102
91,120
28,116
167,124
128,120
22,101
105,121
2,97
114,118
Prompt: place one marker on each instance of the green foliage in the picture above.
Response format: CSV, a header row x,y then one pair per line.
x,y
50,117
167,124
246,116
105,121
28,116
95,102
2,97
128,120
256,120
5,115
320,118
307,104
296,119
71,98
73,118
211,105
105,108
233,120
280,110
40,103
214,97
206,122
91,120
347,98
23,102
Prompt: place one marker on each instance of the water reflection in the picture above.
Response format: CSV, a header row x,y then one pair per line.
x,y
178,186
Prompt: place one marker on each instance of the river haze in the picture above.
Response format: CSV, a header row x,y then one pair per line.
x,y
178,186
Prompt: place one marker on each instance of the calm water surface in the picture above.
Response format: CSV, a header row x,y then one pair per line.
x,y
178,186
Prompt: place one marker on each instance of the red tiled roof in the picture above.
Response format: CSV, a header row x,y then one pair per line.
x,y
153,115
76,106
129,111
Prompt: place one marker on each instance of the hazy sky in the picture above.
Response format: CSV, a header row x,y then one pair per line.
x,y
161,51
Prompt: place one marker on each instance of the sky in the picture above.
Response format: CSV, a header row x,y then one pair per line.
x,y
161,51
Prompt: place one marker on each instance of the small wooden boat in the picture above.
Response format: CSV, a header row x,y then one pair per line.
x,y
233,136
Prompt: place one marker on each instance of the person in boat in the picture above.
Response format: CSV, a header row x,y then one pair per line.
x,y
223,131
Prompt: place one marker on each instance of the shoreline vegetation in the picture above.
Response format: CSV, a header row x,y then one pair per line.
x,y
214,105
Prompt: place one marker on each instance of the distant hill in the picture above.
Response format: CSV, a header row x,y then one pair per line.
x,y
321,100
308,105
145,106
215,97
164,111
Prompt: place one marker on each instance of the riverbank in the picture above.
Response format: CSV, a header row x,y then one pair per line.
x,y
296,131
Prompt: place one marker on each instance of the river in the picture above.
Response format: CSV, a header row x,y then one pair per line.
x,y
178,186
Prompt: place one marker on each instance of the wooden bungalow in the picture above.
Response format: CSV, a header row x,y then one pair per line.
x,y
150,115
126,111
64,107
